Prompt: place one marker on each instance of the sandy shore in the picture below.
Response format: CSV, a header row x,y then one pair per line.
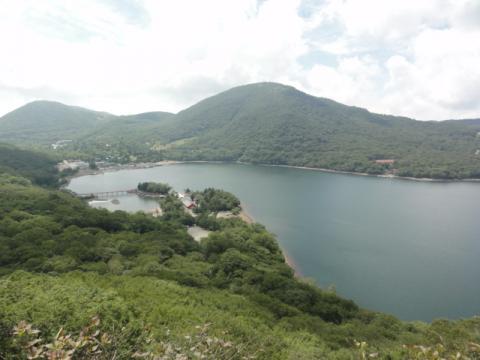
x,y
292,264
246,217
243,214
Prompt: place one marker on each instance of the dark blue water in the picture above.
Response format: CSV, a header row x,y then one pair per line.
x,y
407,248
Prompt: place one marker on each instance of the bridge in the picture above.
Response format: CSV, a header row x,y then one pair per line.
x,y
107,194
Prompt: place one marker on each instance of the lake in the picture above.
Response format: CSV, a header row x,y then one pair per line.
x,y
403,247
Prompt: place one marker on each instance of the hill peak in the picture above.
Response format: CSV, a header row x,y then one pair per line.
x,y
264,87
50,104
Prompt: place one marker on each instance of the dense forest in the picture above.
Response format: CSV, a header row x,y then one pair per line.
x,y
48,122
215,200
40,169
275,124
154,188
80,282
264,123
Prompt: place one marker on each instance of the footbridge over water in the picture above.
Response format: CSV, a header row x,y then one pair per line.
x,y
107,194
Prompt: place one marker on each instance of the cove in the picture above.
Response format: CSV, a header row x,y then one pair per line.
x,y
402,247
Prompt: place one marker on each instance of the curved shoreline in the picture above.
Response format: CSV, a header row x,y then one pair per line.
x,y
246,217
384,176
133,166
291,263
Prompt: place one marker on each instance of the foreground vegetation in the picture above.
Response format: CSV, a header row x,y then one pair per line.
x,y
149,315
154,292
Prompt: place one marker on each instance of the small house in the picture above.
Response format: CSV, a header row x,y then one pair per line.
x,y
188,202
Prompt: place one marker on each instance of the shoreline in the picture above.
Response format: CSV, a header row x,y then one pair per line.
x,y
246,217
291,264
133,166
243,215
118,167
383,176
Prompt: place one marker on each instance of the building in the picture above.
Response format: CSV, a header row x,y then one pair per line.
x,y
72,165
188,202
60,144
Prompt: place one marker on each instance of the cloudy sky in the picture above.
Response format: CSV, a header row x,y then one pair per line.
x,y
407,57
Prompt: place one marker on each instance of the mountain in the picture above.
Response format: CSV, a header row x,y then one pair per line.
x,y
129,127
264,123
152,116
469,121
275,124
47,121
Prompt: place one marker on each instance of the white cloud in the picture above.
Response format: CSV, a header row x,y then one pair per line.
x,y
414,58
425,54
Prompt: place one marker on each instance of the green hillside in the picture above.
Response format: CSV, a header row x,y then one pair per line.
x,y
270,123
276,124
38,168
263,123
45,122
129,128
154,292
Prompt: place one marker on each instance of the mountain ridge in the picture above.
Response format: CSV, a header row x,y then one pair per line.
x,y
275,124
271,123
154,112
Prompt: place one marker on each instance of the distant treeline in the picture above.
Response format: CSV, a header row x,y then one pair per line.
x,y
154,188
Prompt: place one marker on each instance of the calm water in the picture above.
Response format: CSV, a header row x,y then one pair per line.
x,y
408,248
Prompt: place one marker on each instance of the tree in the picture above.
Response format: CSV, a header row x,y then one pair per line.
x,y
154,188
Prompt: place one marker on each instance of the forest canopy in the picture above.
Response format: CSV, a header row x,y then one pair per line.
x,y
154,188
263,123
135,284
215,200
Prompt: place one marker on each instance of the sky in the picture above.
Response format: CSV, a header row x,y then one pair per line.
x,y
415,58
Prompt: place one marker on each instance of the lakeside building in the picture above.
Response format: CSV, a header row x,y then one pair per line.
x,y
72,165
188,202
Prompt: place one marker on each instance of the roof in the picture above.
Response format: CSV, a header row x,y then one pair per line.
x,y
188,202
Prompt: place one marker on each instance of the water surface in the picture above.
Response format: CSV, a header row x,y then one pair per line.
x,y
407,248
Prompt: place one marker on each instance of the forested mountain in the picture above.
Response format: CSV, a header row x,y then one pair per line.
x,y
265,123
47,122
277,124
84,283
129,128
474,122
